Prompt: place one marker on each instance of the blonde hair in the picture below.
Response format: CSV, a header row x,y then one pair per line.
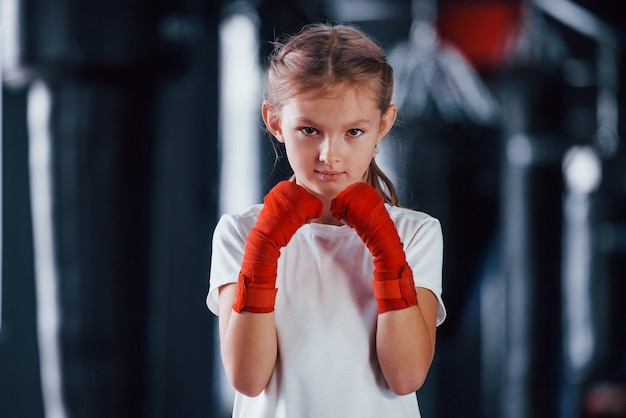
x,y
322,58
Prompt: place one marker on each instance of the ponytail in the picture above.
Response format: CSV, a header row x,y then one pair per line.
x,y
376,178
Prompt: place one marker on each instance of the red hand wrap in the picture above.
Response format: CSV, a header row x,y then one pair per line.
x,y
362,208
287,207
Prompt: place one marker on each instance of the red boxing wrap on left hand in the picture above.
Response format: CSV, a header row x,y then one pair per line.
x,y
362,208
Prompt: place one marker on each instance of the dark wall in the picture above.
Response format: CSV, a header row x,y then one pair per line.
x,y
133,128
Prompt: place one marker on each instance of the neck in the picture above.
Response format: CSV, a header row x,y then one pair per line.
x,y
328,220
327,216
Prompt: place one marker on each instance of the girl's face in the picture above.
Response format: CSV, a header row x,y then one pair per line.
x,y
329,141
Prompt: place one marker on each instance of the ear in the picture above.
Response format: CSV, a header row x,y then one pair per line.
x,y
387,121
272,120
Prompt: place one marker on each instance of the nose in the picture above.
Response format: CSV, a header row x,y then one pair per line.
x,y
330,151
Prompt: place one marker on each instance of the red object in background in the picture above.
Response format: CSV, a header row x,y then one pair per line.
x,y
604,399
483,31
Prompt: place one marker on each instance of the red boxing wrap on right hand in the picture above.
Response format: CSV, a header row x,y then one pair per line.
x,y
286,208
362,208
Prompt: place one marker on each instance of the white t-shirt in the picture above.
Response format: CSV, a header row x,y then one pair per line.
x,y
326,316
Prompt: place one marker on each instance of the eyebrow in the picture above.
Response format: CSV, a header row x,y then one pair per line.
x,y
307,121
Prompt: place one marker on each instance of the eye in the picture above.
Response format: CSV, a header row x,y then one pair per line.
x,y
307,130
354,132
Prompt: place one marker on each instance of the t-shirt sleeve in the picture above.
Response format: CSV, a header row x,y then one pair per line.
x,y
229,239
423,246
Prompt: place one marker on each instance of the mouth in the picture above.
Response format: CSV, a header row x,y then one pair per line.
x,y
328,175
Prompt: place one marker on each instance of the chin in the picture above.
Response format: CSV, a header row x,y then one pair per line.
x,y
331,190
323,189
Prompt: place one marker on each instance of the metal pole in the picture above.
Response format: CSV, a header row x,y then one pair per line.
x,y
584,309
46,277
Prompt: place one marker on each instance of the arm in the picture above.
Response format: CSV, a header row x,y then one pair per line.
x,y
246,310
405,336
248,345
405,343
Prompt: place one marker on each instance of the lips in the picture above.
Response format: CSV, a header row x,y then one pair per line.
x,y
328,175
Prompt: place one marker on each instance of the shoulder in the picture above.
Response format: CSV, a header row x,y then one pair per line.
x,y
401,212
415,227
249,213
239,223
409,219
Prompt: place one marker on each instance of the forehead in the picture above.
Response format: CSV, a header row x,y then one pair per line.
x,y
336,90
347,100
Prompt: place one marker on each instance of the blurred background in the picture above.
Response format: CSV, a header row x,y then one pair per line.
x,y
128,127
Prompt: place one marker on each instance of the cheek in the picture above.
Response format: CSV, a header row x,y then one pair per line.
x,y
364,166
365,155
298,154
361,160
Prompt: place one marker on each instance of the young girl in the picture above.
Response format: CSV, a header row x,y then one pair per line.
x,y
328,294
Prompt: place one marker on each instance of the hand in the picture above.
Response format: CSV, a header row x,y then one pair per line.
x,y
362,208
287,207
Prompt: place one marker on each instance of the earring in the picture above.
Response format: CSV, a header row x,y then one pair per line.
x,y
375,151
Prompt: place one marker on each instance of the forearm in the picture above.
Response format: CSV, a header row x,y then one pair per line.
x,y
405,344
248,346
